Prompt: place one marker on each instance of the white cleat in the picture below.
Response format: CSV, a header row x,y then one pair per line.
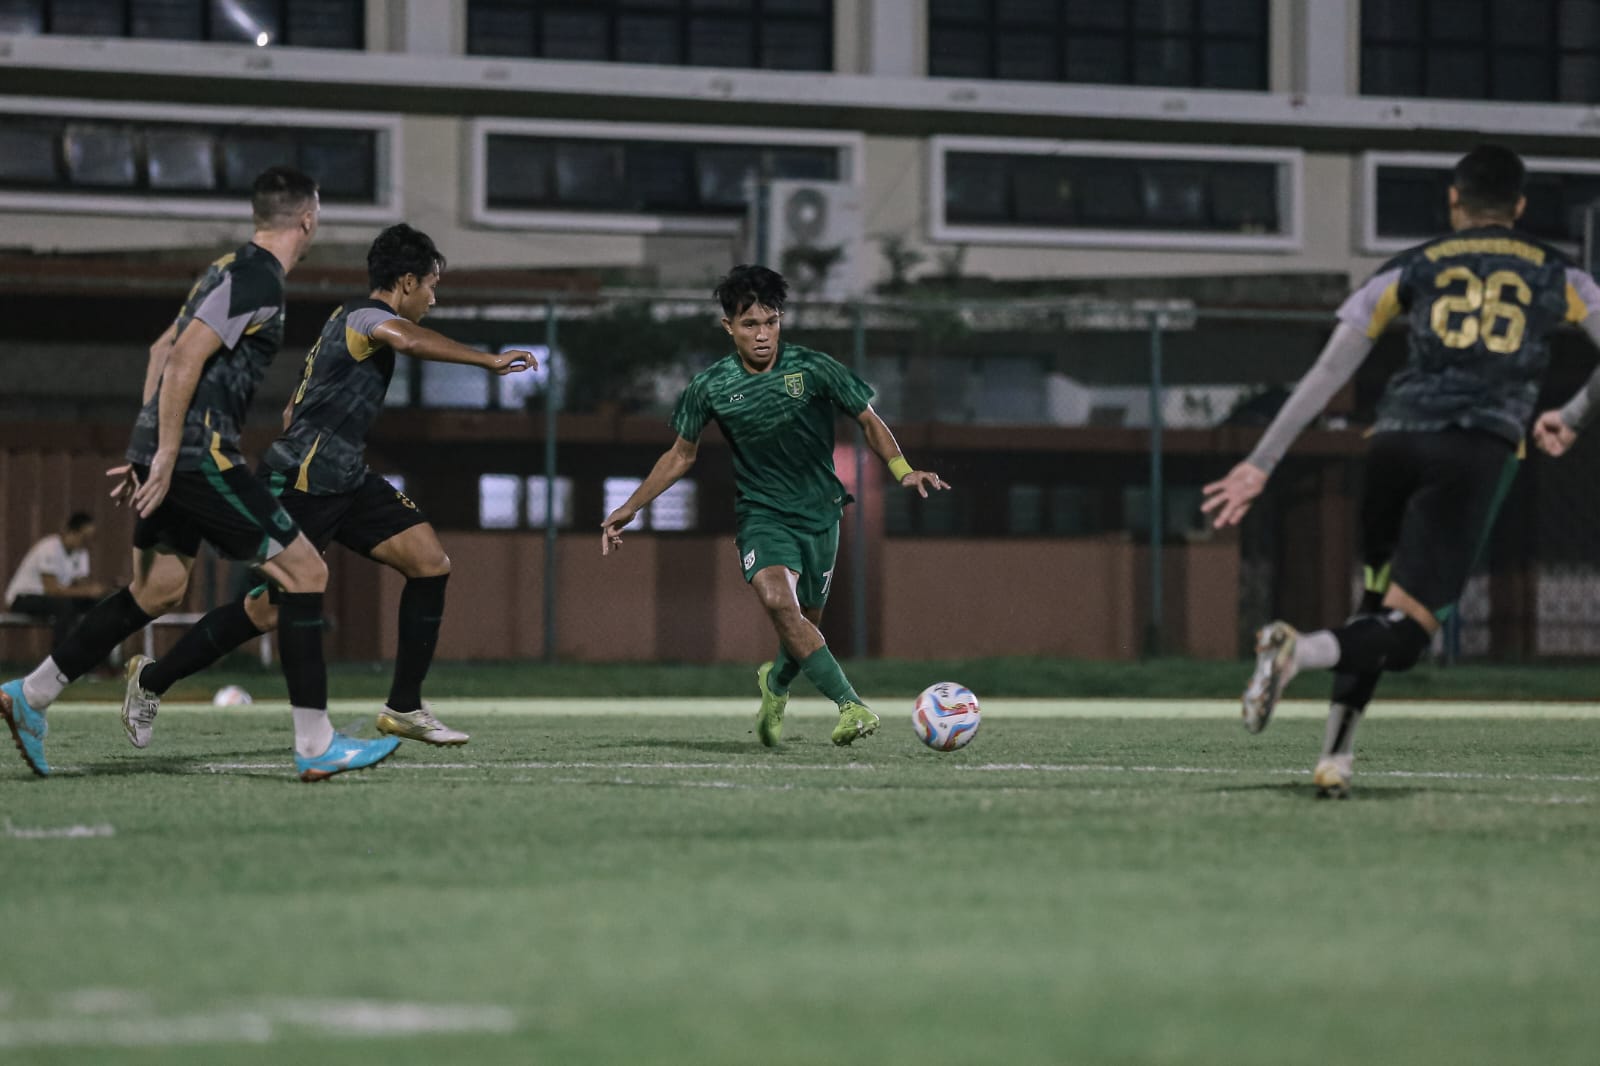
x,y
1275,668
139,704
419,725
1332,776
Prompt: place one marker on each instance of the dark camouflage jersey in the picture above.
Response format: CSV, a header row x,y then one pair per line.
x,y
323,452
1480,304
240,296
779,424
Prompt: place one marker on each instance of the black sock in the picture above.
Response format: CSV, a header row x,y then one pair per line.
x,y
109,623
421,610
300,649
208,640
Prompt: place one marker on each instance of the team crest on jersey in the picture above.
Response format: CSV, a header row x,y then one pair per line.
x,y
794,385
750,559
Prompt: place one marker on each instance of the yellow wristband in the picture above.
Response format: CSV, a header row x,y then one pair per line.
x,y
899,467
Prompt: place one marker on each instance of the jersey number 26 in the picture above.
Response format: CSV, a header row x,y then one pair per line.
x,y
1483,303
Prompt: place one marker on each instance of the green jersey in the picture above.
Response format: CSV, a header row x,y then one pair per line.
x,y
780,426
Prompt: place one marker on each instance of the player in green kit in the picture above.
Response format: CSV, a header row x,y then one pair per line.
x,y
776,405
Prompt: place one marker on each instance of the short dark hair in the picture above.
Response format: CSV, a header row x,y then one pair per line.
x,y
78,519
398,251
1489,180
747,285
279,195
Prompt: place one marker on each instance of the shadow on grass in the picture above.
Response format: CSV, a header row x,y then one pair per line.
x,y
720,747
1361,793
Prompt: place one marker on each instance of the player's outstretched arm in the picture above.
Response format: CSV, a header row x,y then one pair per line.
x,y
1229,499
420,342
1555,431
883,444
673,464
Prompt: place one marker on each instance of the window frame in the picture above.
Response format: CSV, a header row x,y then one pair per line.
x,y
1369,163
207,22
682,16
387,172
1291,195
1128,37
851,142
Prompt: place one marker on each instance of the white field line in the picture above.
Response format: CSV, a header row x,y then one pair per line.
x,y
1222,710
1006,768
256,1023
66,832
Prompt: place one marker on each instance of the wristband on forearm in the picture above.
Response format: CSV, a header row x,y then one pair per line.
x,y
899,468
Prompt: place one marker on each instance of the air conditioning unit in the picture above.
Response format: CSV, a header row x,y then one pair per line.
x,y
811,232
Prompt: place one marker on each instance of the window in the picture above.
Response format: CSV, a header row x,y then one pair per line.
x,y
455,385
1202,44
1405,198
640,178
514,391
1545,50
675,510
499,501
764,34
197,162
537,502
1132,195
297,23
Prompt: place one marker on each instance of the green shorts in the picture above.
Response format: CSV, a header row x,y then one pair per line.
x,y
763,542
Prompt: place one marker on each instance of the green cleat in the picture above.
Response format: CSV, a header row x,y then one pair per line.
x,y
769,720
855,720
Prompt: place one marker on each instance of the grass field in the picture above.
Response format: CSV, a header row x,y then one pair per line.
x,y
1112,883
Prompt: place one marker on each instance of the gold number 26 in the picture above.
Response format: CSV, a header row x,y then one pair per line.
x,y
1483,304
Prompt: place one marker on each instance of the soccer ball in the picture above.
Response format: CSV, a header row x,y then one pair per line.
x,y
946,717
230,696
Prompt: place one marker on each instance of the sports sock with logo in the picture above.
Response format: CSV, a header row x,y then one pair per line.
x,y
823,670
208,640
109,623
421,611
300,648
785,668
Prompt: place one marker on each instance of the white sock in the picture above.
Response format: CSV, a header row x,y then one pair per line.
x,y
1340,736
313,732
41,687
1316,651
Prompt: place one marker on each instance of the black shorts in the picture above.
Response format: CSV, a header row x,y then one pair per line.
x,y
360,520
1430,501
229,509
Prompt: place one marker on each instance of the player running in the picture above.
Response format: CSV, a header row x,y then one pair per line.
x,y
775,404
1481,303
188,483
317,470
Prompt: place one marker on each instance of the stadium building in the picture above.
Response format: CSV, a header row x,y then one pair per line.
x,y
1005,213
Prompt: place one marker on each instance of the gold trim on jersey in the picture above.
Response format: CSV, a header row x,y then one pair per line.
x,y
1485,246
1577,310
1383,314
217,457
360,345
302,483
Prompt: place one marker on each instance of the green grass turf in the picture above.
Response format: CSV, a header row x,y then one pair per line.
x,y
884,679
620,889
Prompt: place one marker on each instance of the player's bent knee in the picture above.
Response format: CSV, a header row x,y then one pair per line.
x,y
1410,642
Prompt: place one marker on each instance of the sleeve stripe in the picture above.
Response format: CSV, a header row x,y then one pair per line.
x,y
1383,314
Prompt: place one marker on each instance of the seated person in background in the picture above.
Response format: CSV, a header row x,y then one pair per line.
x,y
53,580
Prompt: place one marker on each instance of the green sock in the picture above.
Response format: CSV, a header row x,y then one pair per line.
x,y
785,668
824,671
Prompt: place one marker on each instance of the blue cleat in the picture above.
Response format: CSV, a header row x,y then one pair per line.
x,y
28,726
345,753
